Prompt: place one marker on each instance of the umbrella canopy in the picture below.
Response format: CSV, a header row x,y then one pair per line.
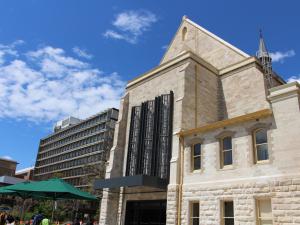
x,y
55,189
7,190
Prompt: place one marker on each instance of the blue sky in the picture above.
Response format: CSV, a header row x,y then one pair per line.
x,y
66,57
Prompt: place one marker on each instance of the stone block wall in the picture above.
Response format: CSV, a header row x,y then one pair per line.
x,y
284,193
204,44
200,103
244,91
172,197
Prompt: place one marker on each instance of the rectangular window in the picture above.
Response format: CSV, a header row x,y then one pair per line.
x,y
264,212
196,157
226,151
227,213
261,145
195,213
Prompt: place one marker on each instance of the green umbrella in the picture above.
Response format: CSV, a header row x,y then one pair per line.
x,y
55,189
24,195
7,190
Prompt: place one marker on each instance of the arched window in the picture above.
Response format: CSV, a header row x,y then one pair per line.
x,y
226,151
196,156
260,139
184,32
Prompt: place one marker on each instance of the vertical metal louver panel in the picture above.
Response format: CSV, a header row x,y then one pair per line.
x,y
165,136
132,158
148,138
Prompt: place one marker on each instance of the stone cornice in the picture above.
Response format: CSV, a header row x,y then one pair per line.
x,y
227,122
238,65
285,91
178,59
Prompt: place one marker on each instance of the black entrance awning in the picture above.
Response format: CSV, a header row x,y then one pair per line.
x,y
131,181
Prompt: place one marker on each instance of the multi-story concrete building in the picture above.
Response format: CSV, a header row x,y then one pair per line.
x,y
210,137
74,145
7,167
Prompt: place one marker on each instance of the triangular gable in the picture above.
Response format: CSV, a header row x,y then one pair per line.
x,y
203,43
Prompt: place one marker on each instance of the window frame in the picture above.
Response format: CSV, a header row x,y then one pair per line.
x,y
258,210
223,211
193,157
191,211
256,161
221,140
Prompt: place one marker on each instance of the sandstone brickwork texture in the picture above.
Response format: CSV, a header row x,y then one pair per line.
x,y
284,193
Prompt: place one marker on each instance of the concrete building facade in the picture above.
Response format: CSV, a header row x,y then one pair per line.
x,y
74,146
222,149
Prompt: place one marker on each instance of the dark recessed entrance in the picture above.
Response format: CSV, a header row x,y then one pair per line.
x,y
145,213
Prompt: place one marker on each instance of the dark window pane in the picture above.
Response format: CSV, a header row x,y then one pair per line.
x,y
261,136
229,221
262,152
228,209
227,143
227,158
197,149
195,221
195,209
197,163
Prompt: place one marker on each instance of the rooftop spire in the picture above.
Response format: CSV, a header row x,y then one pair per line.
x,y
262,50
265,60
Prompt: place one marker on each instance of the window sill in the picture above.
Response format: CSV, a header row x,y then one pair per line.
x,y
196,171
228,167
262,162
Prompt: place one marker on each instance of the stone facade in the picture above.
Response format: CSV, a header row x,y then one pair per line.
x,y
218,90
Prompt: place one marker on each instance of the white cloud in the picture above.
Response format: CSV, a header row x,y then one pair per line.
x,y
48,85
281,56
115,35
294,78
9,50
131,25
6,157
82,53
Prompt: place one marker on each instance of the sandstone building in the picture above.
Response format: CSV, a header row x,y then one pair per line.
x,y
210,137
7,167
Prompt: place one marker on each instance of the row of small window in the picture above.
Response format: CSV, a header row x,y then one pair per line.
x,y
70,155
71,146
73,172
74,181
76,162
260,148
74,137
263,212
75,128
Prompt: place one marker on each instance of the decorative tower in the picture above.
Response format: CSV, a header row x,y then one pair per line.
x,y
265,59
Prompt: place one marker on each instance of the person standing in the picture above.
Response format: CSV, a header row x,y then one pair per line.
x,y
45,221
2,218
38,218
10,220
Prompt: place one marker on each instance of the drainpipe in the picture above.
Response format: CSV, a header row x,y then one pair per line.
x,y
181,170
